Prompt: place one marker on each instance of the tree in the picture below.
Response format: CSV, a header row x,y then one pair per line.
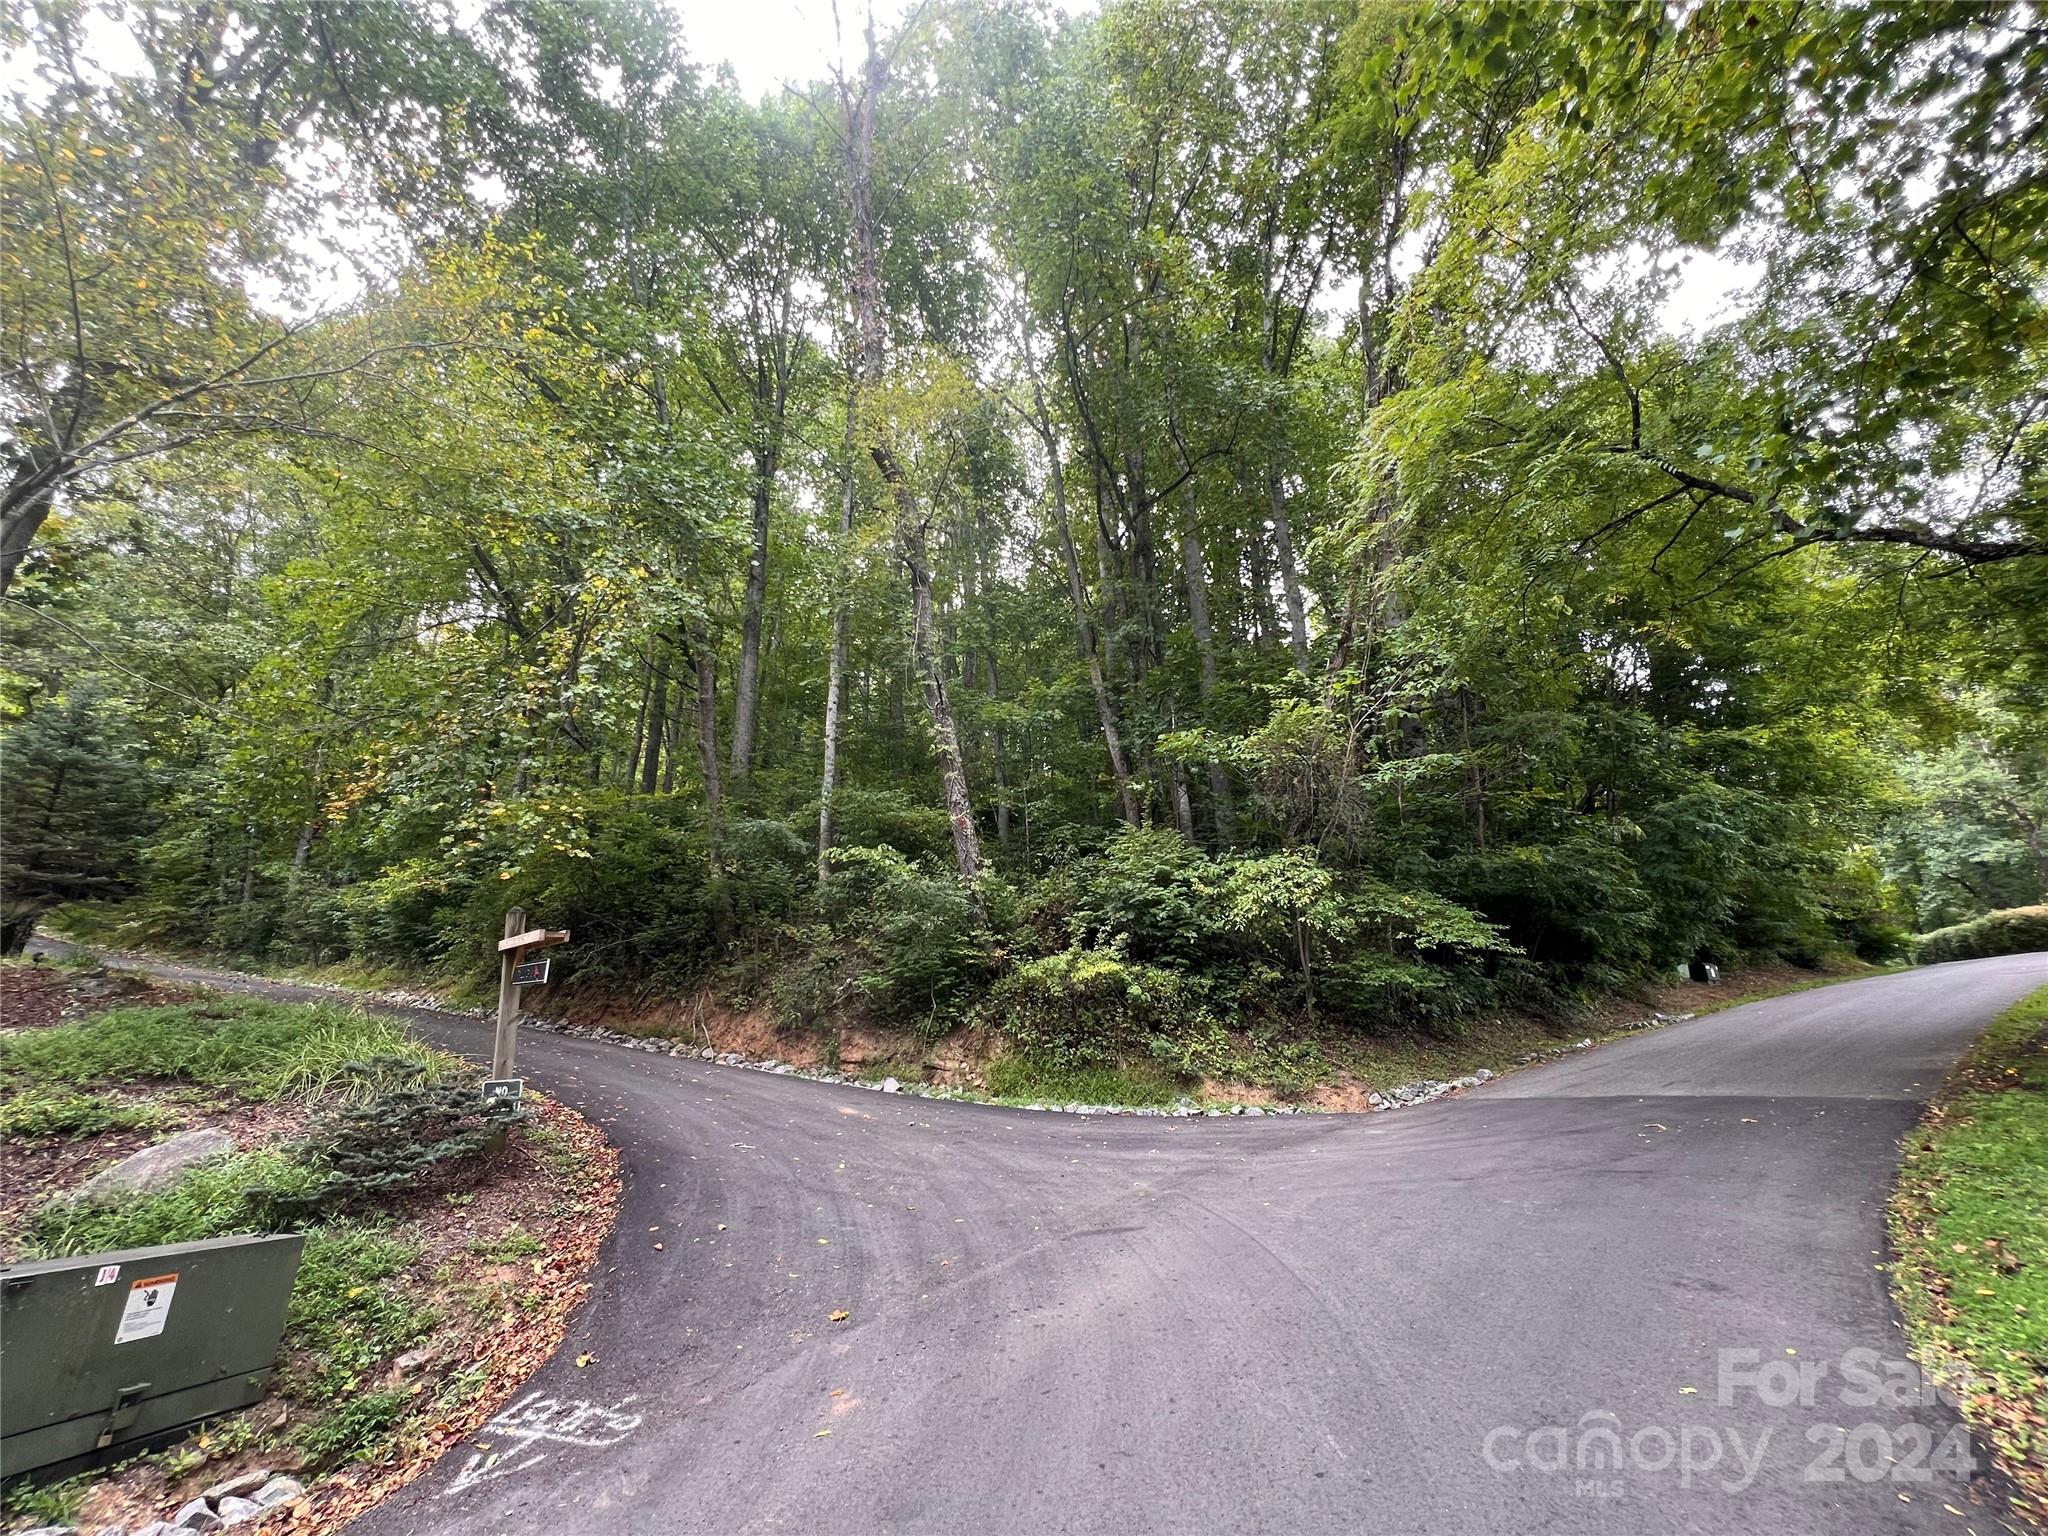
x,y
78,807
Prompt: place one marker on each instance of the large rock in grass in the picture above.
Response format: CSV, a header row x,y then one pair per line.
x,y
155,1167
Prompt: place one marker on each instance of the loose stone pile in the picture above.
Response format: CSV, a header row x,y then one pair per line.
x,y
235,1501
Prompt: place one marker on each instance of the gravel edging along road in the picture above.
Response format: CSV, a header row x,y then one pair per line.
x,y
1404,1096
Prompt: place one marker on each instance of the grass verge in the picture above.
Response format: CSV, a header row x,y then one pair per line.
x,y
1969,1221
262,1050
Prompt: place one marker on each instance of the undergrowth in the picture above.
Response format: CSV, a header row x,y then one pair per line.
x,y
263,1050
1970,1222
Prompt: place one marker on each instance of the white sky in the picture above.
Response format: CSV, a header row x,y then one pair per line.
x,y
771,42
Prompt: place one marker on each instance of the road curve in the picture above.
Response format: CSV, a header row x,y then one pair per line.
x,y
1634,1290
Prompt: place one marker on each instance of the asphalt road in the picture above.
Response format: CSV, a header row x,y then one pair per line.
x,y
1634,1290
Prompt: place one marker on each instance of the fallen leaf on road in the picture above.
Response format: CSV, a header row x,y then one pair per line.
x,y
841,1315
1688,1391
584,1360
821,1434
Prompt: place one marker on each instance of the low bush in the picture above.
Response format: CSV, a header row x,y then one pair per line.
x,y
1578,909
261,1049
885,818
2015,931
1155,891
399,1128
43,1113
919,944
1094,1008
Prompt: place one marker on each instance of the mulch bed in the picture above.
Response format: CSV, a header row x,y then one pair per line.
x,y
37,996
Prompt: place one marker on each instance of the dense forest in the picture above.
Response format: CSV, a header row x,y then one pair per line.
x,y
1194,522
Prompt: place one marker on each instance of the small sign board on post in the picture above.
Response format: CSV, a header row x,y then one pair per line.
x,y
498,1090
516,971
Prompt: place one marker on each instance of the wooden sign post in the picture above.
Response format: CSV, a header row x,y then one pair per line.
x,y
514,973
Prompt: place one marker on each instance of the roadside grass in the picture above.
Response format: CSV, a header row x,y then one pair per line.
x,y
1787,989
1387,1061
347,1318
508,1246
47,1504
1028,1079
1969,1223
261,1049
347,1315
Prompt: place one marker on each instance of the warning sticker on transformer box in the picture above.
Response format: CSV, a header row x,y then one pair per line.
x,y
148,1309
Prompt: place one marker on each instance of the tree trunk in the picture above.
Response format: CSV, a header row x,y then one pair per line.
x,y
867,290
1290,572
673,743
835,672
1077,592
706,665
640,720
1196,573
835,685
945,731
996,752
657,721
25,505
706,661
747,689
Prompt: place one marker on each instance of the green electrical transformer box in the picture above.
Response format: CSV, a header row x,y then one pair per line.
x,y
114,1350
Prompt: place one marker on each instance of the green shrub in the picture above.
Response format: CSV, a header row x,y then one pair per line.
x,y
1093,1007
768,869
1152,888
918,939
399,1128
885,818
636,888
2015,931
408,913
808,976
44,1113
1385,992
261,1049
1578,908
